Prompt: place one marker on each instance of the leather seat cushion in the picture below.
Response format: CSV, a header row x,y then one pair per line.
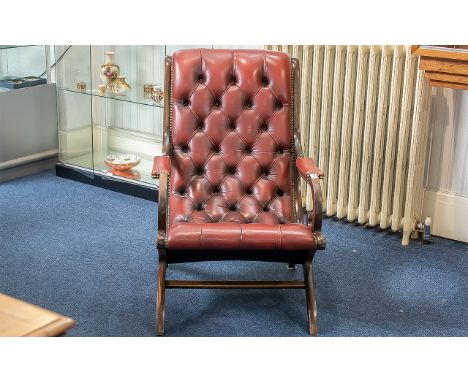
x,y
240,236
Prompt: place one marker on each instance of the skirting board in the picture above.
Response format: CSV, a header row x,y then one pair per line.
x,y
28,159
26,169
449,213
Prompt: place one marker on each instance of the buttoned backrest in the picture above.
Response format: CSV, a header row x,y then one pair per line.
x,y
231,137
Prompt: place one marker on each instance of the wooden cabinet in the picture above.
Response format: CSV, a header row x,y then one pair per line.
x,y
444,65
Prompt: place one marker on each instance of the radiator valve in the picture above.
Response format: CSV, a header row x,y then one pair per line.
x,y
425,229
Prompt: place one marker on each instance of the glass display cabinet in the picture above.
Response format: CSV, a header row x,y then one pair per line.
x,y
23,66
27,109
110,113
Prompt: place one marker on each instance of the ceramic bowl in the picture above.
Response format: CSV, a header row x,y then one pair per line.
x,y
122,162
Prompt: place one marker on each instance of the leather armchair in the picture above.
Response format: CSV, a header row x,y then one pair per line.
x,y
229,186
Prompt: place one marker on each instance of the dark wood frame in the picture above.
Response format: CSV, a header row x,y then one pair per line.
x,y
311,218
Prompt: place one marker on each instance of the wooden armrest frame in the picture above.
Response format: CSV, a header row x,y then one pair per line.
x,y
166,151
313,218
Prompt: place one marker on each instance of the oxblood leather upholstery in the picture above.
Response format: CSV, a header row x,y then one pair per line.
x,y
240,236
307,167
231,177
161,164
231,144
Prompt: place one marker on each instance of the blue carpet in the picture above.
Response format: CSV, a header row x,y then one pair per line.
x,y
89,253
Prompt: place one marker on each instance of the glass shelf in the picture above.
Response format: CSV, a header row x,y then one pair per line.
x,y
139,173
131,98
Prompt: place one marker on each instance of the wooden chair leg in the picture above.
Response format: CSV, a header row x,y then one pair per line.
x,y
310,295
161,297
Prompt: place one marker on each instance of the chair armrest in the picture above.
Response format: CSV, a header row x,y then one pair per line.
x,y
312,175
308,168
161,169
161,164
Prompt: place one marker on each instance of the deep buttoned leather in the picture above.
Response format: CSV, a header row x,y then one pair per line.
x,y
231,138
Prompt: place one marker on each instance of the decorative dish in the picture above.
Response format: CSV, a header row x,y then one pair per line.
x,y
122,162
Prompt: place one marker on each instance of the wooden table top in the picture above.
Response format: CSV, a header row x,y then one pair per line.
x,y
21,319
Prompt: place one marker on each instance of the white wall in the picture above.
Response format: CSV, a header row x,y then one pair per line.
x,y
28,125
447,168
446,185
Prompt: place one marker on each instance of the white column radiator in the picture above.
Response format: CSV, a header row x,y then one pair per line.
x,y
364,118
